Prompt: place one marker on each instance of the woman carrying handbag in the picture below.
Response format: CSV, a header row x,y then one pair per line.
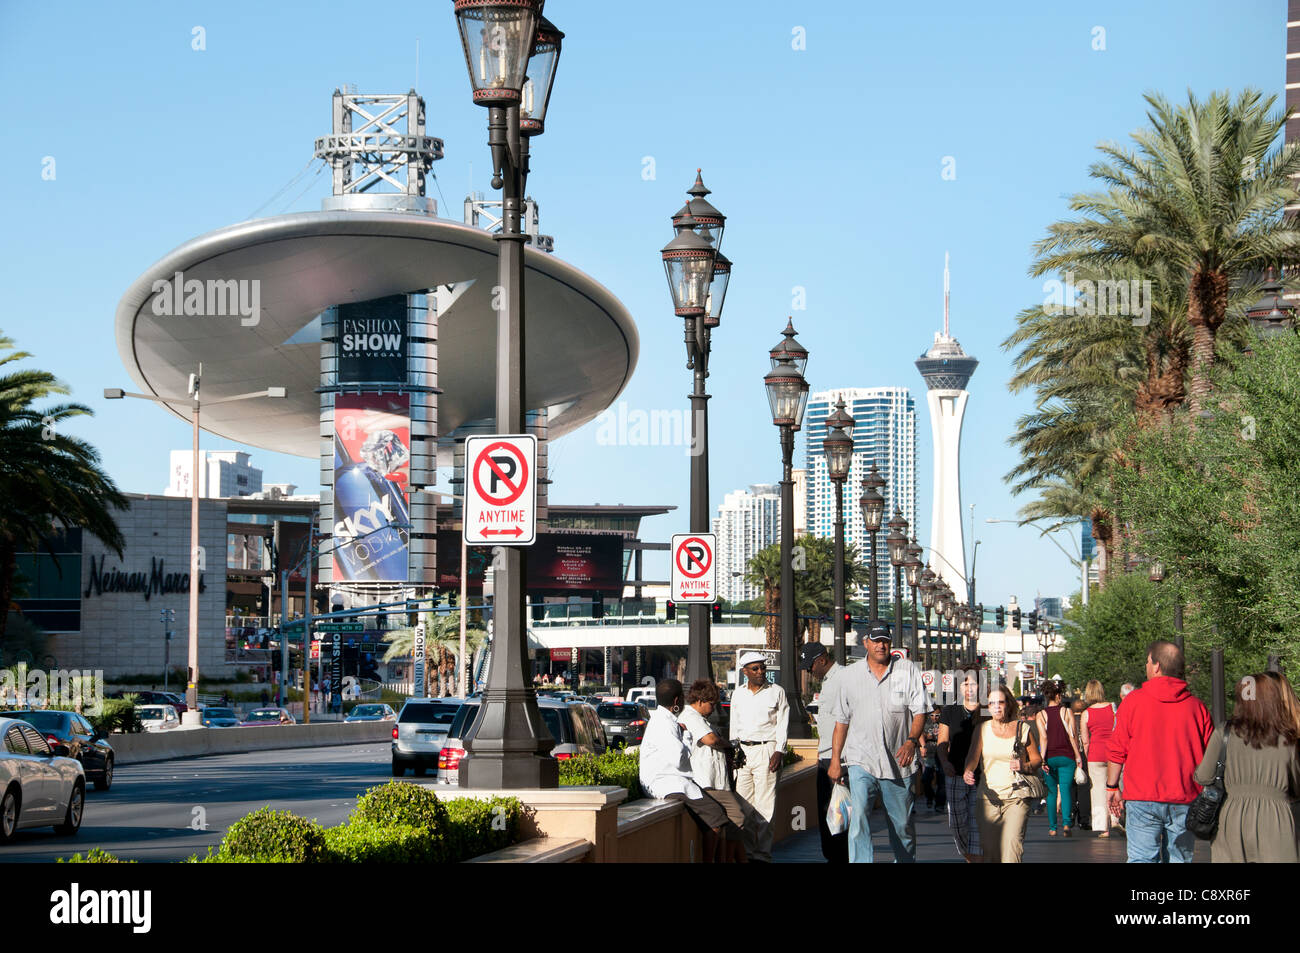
x,y
1009,761
1061,758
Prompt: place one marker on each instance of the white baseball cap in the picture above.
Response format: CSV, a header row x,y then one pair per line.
x,y
749,658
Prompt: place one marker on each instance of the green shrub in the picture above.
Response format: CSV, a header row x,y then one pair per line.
x,y
118,714
613,767
95,856
268,835
370,842
402,803
481,826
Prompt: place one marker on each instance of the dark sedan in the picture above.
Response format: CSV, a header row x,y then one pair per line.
x,y
71,736
624,722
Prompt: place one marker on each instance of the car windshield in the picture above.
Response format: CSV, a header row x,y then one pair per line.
x,y
617,711
368,710
429,713
266,714
218,713
150,714
44,720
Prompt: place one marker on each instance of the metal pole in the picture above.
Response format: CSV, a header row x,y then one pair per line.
x,y
840,649
306,630
929,641
897,607
916,635
799,727
700,621
508,745
462,680
192,677
284,634
875,604
1217,687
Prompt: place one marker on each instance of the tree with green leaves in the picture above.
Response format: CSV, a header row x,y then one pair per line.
x,y
442,647
49,479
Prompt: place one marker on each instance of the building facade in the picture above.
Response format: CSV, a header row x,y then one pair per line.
x,y
884,433
222,473
747,521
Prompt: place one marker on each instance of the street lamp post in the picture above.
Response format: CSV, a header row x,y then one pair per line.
x,y
896,542
872,504
787,394
697,278
912,570
928,586
192,716
512,53
838,449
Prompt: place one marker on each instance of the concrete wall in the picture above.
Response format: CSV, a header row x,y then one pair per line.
x,y
196,742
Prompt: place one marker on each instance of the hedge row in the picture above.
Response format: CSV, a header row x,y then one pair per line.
x,y
615,766
397,822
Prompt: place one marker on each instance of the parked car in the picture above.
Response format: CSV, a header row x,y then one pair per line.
x,y
639,694
260,717
575,728
420,733
37,787
70,735
624,722
372,713
158,717
155,698
213,717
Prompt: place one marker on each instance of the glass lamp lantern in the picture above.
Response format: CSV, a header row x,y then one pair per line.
x,y
787,394
912,564
871,502
717,291
535,96
688,262
789,347
897,539
497,39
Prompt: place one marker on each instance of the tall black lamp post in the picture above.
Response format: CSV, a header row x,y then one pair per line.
x,y
896,541
512,53
872,504
838,449
787,394
697,278
928,587
912,573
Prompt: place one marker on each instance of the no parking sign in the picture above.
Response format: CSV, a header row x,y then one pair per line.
x,y
501,490
695,574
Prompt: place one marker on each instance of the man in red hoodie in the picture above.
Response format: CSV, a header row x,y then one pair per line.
x,y
1161,733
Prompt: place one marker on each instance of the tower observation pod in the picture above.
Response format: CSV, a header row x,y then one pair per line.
x,y
947,369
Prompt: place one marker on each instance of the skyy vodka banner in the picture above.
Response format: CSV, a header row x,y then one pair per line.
x,y
371,474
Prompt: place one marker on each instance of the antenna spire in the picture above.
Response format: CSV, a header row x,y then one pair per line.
x,y
945,294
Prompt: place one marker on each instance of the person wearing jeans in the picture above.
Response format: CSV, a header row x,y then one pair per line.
x,y
879,716
1056,728
1157,833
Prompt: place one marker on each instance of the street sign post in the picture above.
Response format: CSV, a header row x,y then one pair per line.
x,y
695,572
417,662
339,626
501,490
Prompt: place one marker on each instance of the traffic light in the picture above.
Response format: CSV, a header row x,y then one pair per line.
x,y
717,612
983,662
670,611
848,620
1001,616
1015,618
1033,620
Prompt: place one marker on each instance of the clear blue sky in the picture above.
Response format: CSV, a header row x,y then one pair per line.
x,y
827,161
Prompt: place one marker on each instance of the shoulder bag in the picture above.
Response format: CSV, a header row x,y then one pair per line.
x,y
1203,815
1029,785
1080,771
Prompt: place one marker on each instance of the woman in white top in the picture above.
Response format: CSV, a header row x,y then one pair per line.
x,y
1003,811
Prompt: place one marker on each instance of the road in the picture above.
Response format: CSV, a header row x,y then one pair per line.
x,y
156,812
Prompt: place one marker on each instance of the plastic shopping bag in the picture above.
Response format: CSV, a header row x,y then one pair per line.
x,y
840,810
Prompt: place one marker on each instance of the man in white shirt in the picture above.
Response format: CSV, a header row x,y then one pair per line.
x,y
665,762
760,722
708,753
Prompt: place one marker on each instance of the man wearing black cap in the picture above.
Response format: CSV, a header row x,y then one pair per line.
x,y
879,716
815,660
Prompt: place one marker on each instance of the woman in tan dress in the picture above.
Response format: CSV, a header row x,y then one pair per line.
x,y
1003,812
1261,774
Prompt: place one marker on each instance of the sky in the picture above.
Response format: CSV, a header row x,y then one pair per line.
x,y
850,148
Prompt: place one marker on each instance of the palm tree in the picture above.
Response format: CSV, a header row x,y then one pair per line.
x,y
442,646
1203,197
764,572
49,480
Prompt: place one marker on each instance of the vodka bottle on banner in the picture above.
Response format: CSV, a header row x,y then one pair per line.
x,y
368,505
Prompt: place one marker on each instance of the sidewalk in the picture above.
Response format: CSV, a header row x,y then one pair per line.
x,y
934,844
